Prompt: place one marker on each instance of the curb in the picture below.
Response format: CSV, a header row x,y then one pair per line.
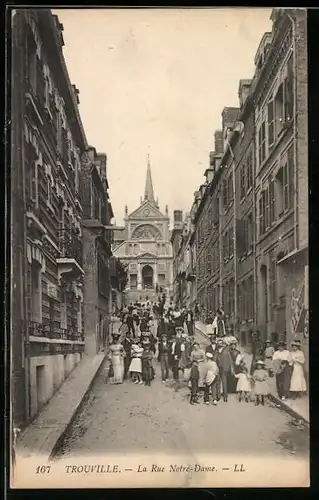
x,y
280,404
59,441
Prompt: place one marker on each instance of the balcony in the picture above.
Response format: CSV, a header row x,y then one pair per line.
x,y
71,260
52,330
33,218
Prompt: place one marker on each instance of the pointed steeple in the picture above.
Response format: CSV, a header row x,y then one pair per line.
x,y
149,192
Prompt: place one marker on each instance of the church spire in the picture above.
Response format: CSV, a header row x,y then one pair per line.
x,y
149,192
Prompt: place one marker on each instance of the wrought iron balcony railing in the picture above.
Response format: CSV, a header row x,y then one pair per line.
x,y
70,245
52,330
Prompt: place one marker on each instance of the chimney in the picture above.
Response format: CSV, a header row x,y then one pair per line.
x,y
229,117
76,93
211,158
101,160
219,144
178,219
243,91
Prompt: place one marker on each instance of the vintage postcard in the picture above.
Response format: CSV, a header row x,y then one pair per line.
x,y
159,240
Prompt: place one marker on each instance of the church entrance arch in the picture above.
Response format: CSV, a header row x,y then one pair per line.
x,y
147,277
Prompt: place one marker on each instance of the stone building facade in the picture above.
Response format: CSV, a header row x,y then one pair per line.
x,y
48,276
97,250
280,95
144,246
251,213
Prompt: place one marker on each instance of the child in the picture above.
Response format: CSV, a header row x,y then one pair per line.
x,y
147,364
243,385
211,374
268,358
194,379
136,364
260,377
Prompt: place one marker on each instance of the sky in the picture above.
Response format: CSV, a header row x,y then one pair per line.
x,y
157,80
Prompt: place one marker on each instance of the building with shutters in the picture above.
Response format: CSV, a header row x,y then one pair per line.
x,y
49,242
250,216
97,250
143,245
279,88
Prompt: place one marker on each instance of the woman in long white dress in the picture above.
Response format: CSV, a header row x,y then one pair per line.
x,y
116,358
298,382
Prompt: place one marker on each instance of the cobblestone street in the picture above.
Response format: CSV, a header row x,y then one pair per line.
x,y
133,418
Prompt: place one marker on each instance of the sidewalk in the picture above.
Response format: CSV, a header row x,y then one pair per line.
x,y
42,436
298,408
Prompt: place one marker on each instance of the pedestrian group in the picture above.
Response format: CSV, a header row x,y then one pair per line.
x,y
214,371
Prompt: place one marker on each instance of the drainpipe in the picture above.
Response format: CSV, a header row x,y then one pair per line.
x,y
255,226
234,231
293,24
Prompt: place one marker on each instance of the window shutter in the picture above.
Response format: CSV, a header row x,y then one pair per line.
x,y
261,214
270,111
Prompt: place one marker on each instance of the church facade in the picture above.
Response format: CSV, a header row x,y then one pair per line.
x,y
144,246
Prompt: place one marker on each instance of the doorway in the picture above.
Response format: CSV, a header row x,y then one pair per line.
x,y
147,277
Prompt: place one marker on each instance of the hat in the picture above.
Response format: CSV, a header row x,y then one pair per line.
x,y
268,341
259,362
296,342
282,343
209,355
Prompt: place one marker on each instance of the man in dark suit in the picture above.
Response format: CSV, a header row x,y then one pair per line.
x,y
175,356
225,365
212,346
162,328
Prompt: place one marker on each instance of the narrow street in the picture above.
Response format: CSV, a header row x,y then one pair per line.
x,y
133,418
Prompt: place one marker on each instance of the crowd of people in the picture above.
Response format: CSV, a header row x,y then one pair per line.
x,y
284,364
212,372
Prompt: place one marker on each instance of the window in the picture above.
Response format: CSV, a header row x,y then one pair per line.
x,y
285,183
262,213
288,180
209,260
288,92
225,194
49,190
242,182
96,204
32,62
250,232
230,189
76,176
32,174
273,284
249,173
65,148
133,281
36,292
231,243
266,208
47,93
59,132
271,122
250,298
272,207
279,192
279,108
262,143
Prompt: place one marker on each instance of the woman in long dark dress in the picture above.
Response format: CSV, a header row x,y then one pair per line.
x,y
256,350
